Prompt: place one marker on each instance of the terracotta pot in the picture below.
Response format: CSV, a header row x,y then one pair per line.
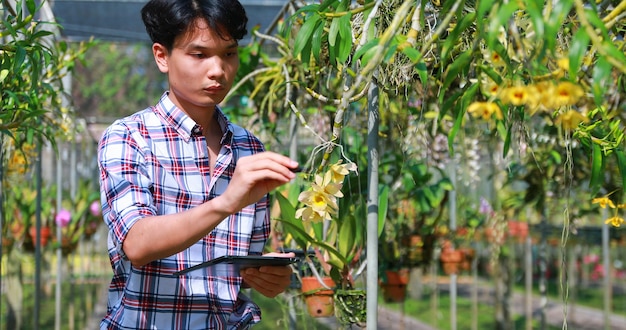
x,y
45,234
394,288
393,292
451,260
450,268
468,256
318,299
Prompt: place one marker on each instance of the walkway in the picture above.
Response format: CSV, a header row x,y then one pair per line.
x,y
578,317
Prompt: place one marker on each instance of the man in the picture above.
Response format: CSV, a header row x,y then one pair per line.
x,y
180,184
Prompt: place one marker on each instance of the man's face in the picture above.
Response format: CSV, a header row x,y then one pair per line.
x,y
201,68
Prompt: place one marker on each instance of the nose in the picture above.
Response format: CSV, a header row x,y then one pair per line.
x,y
215,67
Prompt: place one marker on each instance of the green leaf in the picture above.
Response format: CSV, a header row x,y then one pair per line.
x,y
20,57
346,237
507,142
288,217
383,207
303,38
466,98
307,9
31,6
3,74
621,164
328,4
457,68
614,52
577,51
601,79
412,53
345,44
502,16
453,37
534,10
318,230
370,54
365,48
333,32
316,43
596,169
482,7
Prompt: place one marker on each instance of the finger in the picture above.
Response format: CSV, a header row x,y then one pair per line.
x,y
266,288
270,274
281,254
272,161
275,270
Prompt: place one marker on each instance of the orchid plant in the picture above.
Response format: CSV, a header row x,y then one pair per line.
x,y
328,222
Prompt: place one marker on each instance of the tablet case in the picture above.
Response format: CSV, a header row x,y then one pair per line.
x,y
231,265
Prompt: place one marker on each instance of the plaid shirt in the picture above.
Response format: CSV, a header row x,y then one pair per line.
x,y
152,164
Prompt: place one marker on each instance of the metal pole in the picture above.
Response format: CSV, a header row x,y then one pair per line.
x,y
57,293
528,277
293,154
2,155
37,237
606,256
453,276
372,207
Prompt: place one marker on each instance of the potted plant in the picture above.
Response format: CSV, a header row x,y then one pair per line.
x,y
79,216
326,223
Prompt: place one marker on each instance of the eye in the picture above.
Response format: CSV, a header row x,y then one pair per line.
x,y
198,55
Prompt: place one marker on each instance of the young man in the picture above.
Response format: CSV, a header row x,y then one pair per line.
x,y
180,184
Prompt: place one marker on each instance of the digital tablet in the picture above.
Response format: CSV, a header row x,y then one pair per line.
x,y
231,265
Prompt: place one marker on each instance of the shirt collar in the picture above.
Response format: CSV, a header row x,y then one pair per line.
x,y
184,125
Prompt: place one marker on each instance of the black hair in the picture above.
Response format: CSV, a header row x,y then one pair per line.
x,y
165,20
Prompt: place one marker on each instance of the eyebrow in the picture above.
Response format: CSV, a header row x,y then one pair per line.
x,y
233,45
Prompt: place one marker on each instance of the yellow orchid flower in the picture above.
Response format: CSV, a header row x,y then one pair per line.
x,y
484,110
518,95
309,214
570,119
488,86
339,171
614,221
603,202
495,59
563,63
567,93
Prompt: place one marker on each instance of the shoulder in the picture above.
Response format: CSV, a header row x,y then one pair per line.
x,y
130,129
137,122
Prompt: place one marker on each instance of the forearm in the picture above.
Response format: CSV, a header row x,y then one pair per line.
x,y
157,237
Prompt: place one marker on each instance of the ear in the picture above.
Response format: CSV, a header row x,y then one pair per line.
x,y
161,57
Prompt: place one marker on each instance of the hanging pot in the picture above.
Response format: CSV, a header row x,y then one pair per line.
x,y
451,261
45,234
318,299
395,286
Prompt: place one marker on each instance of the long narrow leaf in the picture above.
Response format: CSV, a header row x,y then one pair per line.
x,y
383,207
621,164
596,169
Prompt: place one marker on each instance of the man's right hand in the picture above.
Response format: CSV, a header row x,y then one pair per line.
x,y
255,176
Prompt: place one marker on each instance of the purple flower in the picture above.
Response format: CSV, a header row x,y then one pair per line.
x,y
95,209
485,207
63,218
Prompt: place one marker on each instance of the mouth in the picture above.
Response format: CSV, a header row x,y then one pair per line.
x,y
214,88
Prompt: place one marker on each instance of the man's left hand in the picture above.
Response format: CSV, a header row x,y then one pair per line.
x,y
269,280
